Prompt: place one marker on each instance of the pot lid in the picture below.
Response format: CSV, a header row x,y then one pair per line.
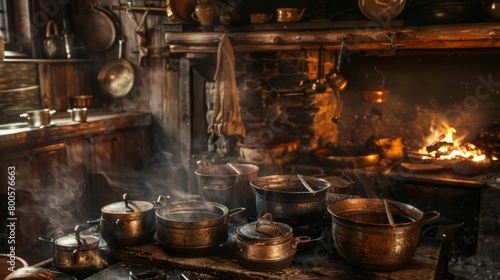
x,y
72,242
265,229
128,207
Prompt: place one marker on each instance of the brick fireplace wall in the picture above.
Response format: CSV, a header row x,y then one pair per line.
x,y
308,118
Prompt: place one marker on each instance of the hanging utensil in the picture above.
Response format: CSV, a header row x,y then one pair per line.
x,y
334,78
116,78
141,31
319,85
337,82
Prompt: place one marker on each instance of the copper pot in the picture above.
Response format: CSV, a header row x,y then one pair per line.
x,y
266,245
78,114
80,101
286,198
193,228
220,183
279,150
38,118
127,222
31,272
77,253
364,238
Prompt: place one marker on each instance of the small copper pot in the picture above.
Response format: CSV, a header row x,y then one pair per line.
x,y
78,114
38,118
266,245
80,101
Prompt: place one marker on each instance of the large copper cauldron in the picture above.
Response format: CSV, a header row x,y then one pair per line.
x,y
364,238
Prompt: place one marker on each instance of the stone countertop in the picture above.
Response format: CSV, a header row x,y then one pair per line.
x,y
315,260
62,127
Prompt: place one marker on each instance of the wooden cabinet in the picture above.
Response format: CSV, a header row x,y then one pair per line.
x,y
42,197
116,165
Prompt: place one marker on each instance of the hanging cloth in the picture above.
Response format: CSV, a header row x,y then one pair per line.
x,y
227,119
140,30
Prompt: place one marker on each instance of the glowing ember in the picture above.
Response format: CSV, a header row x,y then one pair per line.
x,y
444,148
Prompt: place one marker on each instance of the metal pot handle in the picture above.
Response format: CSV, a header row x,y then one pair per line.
x,y
300,239
203,163
160,199
46,239
424,221
268,217
235,211
218,188
119,224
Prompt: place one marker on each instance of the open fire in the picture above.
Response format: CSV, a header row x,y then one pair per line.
x,y
447,148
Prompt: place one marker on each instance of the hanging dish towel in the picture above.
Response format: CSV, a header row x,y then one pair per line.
x,y
227,119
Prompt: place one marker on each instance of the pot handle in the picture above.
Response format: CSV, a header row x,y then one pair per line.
x,y
46,239
119,224
203,163
268,217
218,188
235,211
160,199
94,222
300,239
430,219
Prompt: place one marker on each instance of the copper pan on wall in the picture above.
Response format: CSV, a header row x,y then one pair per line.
x,y
117,77
97,28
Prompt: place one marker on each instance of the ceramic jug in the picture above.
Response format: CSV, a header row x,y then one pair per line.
x,y
204,13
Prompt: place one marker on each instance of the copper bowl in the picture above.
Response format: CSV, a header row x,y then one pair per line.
x,y
80,101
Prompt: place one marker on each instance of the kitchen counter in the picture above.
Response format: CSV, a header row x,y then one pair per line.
x,y
62,127
316,260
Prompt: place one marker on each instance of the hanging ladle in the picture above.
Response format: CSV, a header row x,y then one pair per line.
x,y
334,78
319,85
337,81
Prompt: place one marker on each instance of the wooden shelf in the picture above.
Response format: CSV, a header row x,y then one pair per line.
x,y
367,37
43,60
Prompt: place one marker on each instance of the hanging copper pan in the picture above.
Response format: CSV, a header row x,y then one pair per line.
x,y
97,28
117,77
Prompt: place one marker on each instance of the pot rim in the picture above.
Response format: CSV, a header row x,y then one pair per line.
x,y
335,208
205,171
318,184
223,212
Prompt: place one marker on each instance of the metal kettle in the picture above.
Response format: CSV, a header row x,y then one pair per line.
x,y
53,44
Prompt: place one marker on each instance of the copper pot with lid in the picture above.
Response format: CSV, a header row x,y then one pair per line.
x,y
127,222
77,254
266,245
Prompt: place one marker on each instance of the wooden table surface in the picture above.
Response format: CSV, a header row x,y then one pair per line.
x,y
315,260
